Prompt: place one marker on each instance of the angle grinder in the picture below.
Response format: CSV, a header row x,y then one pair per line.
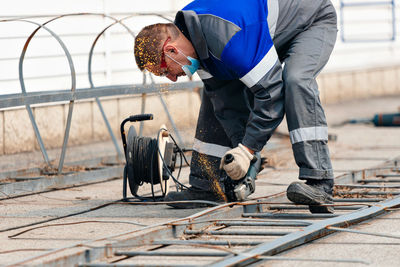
x,y
240,189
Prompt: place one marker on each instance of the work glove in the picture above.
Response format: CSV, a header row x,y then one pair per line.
x,y
238,167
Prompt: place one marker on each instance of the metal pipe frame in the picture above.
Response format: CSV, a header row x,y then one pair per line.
x,y
119,152
289,215
363,233
131,265
235,232
73,88
368,186
207,242
71,103
49,97
309,233
143,105
298,207
60,75
359,200
17,100
393,180
368,193
91,251
59,181
279,224
275,258
22,83
344,4
94,162
162,14
388,175
173,253
129,238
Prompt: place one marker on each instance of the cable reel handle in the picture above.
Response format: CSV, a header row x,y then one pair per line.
x,y
140,117
132,118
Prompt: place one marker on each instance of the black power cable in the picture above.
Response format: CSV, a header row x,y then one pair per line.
x,y
144,165
181,154
144,155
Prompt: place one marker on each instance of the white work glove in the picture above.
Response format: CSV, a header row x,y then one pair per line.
x,y
238,168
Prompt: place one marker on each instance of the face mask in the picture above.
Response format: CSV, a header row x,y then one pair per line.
x,y
188,69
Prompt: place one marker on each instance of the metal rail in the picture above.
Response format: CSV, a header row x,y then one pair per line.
x,y
29,185
229,223
31,98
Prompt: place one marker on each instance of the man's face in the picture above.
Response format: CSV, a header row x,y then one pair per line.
x,y
171,60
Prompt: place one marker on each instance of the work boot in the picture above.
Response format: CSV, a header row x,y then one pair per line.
x,y
193,194
313,193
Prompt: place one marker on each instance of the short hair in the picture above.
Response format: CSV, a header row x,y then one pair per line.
x,y
148,43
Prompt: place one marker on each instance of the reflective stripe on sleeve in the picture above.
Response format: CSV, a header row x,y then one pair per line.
x,y
210,149
255,74
309,134
273,12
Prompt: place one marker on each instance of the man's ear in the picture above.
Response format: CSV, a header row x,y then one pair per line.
x,y
171,48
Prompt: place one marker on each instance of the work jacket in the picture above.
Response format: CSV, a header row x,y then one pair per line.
x,y
240,45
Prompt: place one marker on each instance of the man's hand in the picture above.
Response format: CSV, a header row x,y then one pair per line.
x,y
238,167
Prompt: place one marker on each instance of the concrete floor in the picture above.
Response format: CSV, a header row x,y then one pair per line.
x,y
357,147
376,251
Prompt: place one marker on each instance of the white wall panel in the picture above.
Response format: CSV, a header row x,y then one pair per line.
x,y
113,61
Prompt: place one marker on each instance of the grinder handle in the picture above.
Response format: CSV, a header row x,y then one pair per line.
x,y
133,118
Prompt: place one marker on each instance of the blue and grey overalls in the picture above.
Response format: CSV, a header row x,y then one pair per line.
x,y
259,61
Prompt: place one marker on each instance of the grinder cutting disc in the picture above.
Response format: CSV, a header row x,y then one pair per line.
x,y
163,138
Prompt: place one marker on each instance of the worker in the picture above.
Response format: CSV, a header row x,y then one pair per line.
x,y
258,59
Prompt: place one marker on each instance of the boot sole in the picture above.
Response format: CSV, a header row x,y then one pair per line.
x,y
300,193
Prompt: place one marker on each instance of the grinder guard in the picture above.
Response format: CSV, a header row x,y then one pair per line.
x,y
239,190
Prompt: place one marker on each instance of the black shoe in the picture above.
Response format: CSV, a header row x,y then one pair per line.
x,y
195,198
313,193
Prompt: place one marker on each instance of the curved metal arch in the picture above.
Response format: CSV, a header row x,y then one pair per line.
x,y
90,72
84,13
95,42
73,74
23,89
90,77
92,85
105,29
73,84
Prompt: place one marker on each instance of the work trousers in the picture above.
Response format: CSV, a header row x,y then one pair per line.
x,y
303,56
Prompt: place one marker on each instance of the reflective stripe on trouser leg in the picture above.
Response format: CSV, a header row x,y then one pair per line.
x,y
305,116
210,144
